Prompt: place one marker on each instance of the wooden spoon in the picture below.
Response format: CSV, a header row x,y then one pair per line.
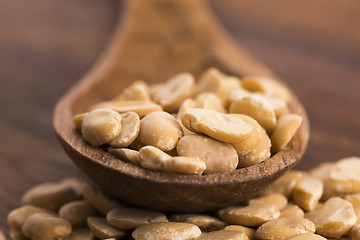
x,y
156,40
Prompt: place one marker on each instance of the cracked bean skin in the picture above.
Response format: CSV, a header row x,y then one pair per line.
x,y
224,235
307,193
101,126
229,128
286,128
161,130
43,226
125,154
171,94
130,127
167,231
256,107
102,229
153,158
283,228
334,219
209,151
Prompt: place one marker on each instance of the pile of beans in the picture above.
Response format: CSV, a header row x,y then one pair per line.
x,y
217,125
323,203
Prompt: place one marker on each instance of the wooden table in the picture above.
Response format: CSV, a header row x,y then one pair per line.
x,y
45,46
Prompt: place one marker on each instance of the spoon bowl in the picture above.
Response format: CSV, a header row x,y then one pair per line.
x,y
155,40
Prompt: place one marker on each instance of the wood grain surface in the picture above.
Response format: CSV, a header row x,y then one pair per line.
x,y
46,46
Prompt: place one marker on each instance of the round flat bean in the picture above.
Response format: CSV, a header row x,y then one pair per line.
x,y
167,231
307,236
101,229
125,154
161,130
224,235
291,210
276,199
101,126
130,127
131,218
345,176
80,234
210,101
206,223
250,232
139,91
307,193
43,226
77,212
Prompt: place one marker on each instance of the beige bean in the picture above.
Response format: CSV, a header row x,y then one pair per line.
x,y
345,176
250,232
77,212
230,84
322,171
279,106
101,228
141,108
130,127
355,232
161,130
186,105
17,217
98,200
267,86
251,215
259,154
17,235
306,236
212,80
125,154
276,199
283,228
184,129
167,231
354,199
43,226
80,234
217,156
131,218
286,128
286,183
153,158
256,107
2,236
307,193
210,101
230,128
334,219
139,91
206,223
224,235
101,126
52,195
78,120
171,94
291,210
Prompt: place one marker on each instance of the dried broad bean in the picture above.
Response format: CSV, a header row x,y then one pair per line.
x,y
167,231
224,235
206,223
283,228
131,218
250,232
102,229
43,226
53,195
307,236
139,90
307,193
130,127
210,151
80,234
161,130
153,158
125,154
77,212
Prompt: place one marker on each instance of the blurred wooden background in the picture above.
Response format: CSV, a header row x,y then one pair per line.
x,y
46,46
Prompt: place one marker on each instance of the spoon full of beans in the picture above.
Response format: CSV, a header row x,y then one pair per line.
x,y
176,117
